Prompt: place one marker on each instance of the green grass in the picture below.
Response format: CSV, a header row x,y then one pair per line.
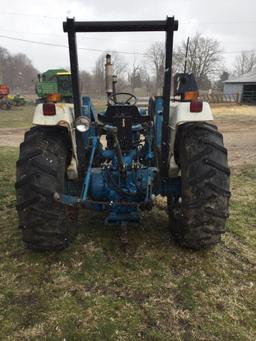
x,y
94,291
17,117
21,117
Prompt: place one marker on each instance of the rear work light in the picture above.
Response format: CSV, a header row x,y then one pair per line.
x,y
196,106
49,109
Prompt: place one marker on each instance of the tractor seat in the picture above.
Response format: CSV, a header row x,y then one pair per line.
x,y
117,111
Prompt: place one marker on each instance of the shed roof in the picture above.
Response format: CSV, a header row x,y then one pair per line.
x,y
249,77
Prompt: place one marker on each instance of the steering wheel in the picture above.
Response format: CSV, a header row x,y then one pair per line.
x,y
113,99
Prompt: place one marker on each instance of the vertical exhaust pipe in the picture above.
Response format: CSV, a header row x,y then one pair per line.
x,y
109,75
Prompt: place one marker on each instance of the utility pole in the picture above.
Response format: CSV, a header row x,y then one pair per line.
x,y
186,56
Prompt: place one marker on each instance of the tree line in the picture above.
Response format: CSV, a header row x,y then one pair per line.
x,y
204,59
17,71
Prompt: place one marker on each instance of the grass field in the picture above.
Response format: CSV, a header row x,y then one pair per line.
x,y
94,291
17,117
235,113
229,110
21,117
158,291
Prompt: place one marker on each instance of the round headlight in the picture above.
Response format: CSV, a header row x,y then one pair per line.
x,y
82,123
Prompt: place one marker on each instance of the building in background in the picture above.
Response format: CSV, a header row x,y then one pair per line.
x,y
243,86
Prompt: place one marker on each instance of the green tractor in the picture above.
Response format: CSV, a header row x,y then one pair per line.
x,y
54,86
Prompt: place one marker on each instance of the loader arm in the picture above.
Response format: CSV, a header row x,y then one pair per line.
x,y
169,26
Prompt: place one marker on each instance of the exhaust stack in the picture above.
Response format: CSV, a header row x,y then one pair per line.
x,y
109,75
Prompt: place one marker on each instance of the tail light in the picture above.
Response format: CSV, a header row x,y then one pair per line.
x,y
49,109
196,106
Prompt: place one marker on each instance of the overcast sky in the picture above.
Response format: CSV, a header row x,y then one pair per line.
x,y
231,22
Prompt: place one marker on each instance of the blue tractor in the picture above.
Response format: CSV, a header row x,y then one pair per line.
x,y
121,159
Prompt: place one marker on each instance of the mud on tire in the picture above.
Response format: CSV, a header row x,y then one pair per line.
x,y
198,218
41,168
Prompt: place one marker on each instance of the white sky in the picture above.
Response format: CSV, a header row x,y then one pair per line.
x,y
231,22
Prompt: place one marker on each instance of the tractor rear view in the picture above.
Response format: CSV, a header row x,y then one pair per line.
x,y
172,149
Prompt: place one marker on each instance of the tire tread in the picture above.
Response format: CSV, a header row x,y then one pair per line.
x,y
43,222
199,220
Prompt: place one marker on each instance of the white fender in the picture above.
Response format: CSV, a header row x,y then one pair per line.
x,y
64,117
179,114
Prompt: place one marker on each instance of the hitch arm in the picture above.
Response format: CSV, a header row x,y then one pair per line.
x,y
84,194
119,155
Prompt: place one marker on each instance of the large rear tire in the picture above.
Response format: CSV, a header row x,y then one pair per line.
x,y
44,155
197,219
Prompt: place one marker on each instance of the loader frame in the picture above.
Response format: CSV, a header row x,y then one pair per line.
x,y
169,26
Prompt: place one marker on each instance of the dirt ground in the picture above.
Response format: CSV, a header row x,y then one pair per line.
x,y
240,140
11,137
238,128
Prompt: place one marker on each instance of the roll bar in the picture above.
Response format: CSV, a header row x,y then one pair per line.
x,y
119,26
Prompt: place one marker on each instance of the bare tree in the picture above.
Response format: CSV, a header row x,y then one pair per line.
x,y
204,58
147,81
17,71
222,78
24,72
4,56
119,64
85,82
98,76
134,76
155,57
244,63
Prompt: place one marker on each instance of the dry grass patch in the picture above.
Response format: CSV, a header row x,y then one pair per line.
x,y
234,110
